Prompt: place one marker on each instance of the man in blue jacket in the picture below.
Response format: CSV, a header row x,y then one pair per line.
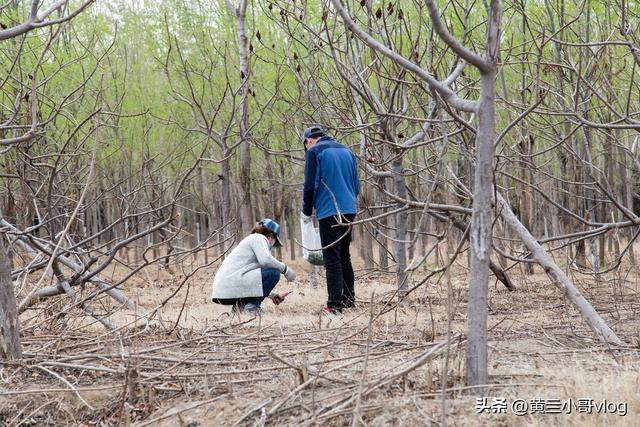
x,y
331,187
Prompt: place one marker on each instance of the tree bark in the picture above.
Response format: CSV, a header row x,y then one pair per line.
x,y
558,277
245,199
226,227
480,235
399,246
383,251
526,198
10,347
482,213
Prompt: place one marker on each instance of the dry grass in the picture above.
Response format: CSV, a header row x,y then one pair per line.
x,y
293,366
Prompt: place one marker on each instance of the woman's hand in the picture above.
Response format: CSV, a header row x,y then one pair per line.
x,y
289,274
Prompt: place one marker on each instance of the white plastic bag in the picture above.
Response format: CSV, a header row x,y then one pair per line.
x,y
311,244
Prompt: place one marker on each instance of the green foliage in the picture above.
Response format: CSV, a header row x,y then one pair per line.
x,y
164,78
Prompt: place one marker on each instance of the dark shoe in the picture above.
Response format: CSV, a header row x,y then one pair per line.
x,y
349,304
252,308
331,311
237,308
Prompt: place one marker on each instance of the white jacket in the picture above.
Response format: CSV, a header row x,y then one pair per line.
x,y
239,274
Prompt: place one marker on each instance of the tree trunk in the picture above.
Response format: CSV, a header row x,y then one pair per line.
x,y
399,245
526,198
526,142
202,215
226,202
380,232
591,212
628,173
557,276
482,214
10,347
244,172
480,237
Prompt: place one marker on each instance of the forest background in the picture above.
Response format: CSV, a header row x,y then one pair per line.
x,y
491,137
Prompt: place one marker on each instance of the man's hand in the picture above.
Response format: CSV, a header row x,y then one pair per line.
x,y
306,219
289,273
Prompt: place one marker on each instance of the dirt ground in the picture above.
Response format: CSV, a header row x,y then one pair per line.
x,y
377,364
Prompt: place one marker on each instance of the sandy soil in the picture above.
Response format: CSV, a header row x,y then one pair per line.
x,y
379,364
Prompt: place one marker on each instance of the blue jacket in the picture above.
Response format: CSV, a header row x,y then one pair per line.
x,y
330,178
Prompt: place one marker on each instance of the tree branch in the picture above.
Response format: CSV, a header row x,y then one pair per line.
x,y
447,94
464,53
39,21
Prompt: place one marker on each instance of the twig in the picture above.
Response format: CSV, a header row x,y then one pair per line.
x,y
251,411
179,411
57,390
71,386
356,410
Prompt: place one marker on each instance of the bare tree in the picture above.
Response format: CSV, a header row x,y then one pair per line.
x,y
485,139
482,216
244,190
75,210
9,330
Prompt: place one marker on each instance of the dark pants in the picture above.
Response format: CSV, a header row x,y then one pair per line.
x,y
337,261
270,277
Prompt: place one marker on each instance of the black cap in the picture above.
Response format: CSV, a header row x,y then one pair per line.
x,y
312,132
